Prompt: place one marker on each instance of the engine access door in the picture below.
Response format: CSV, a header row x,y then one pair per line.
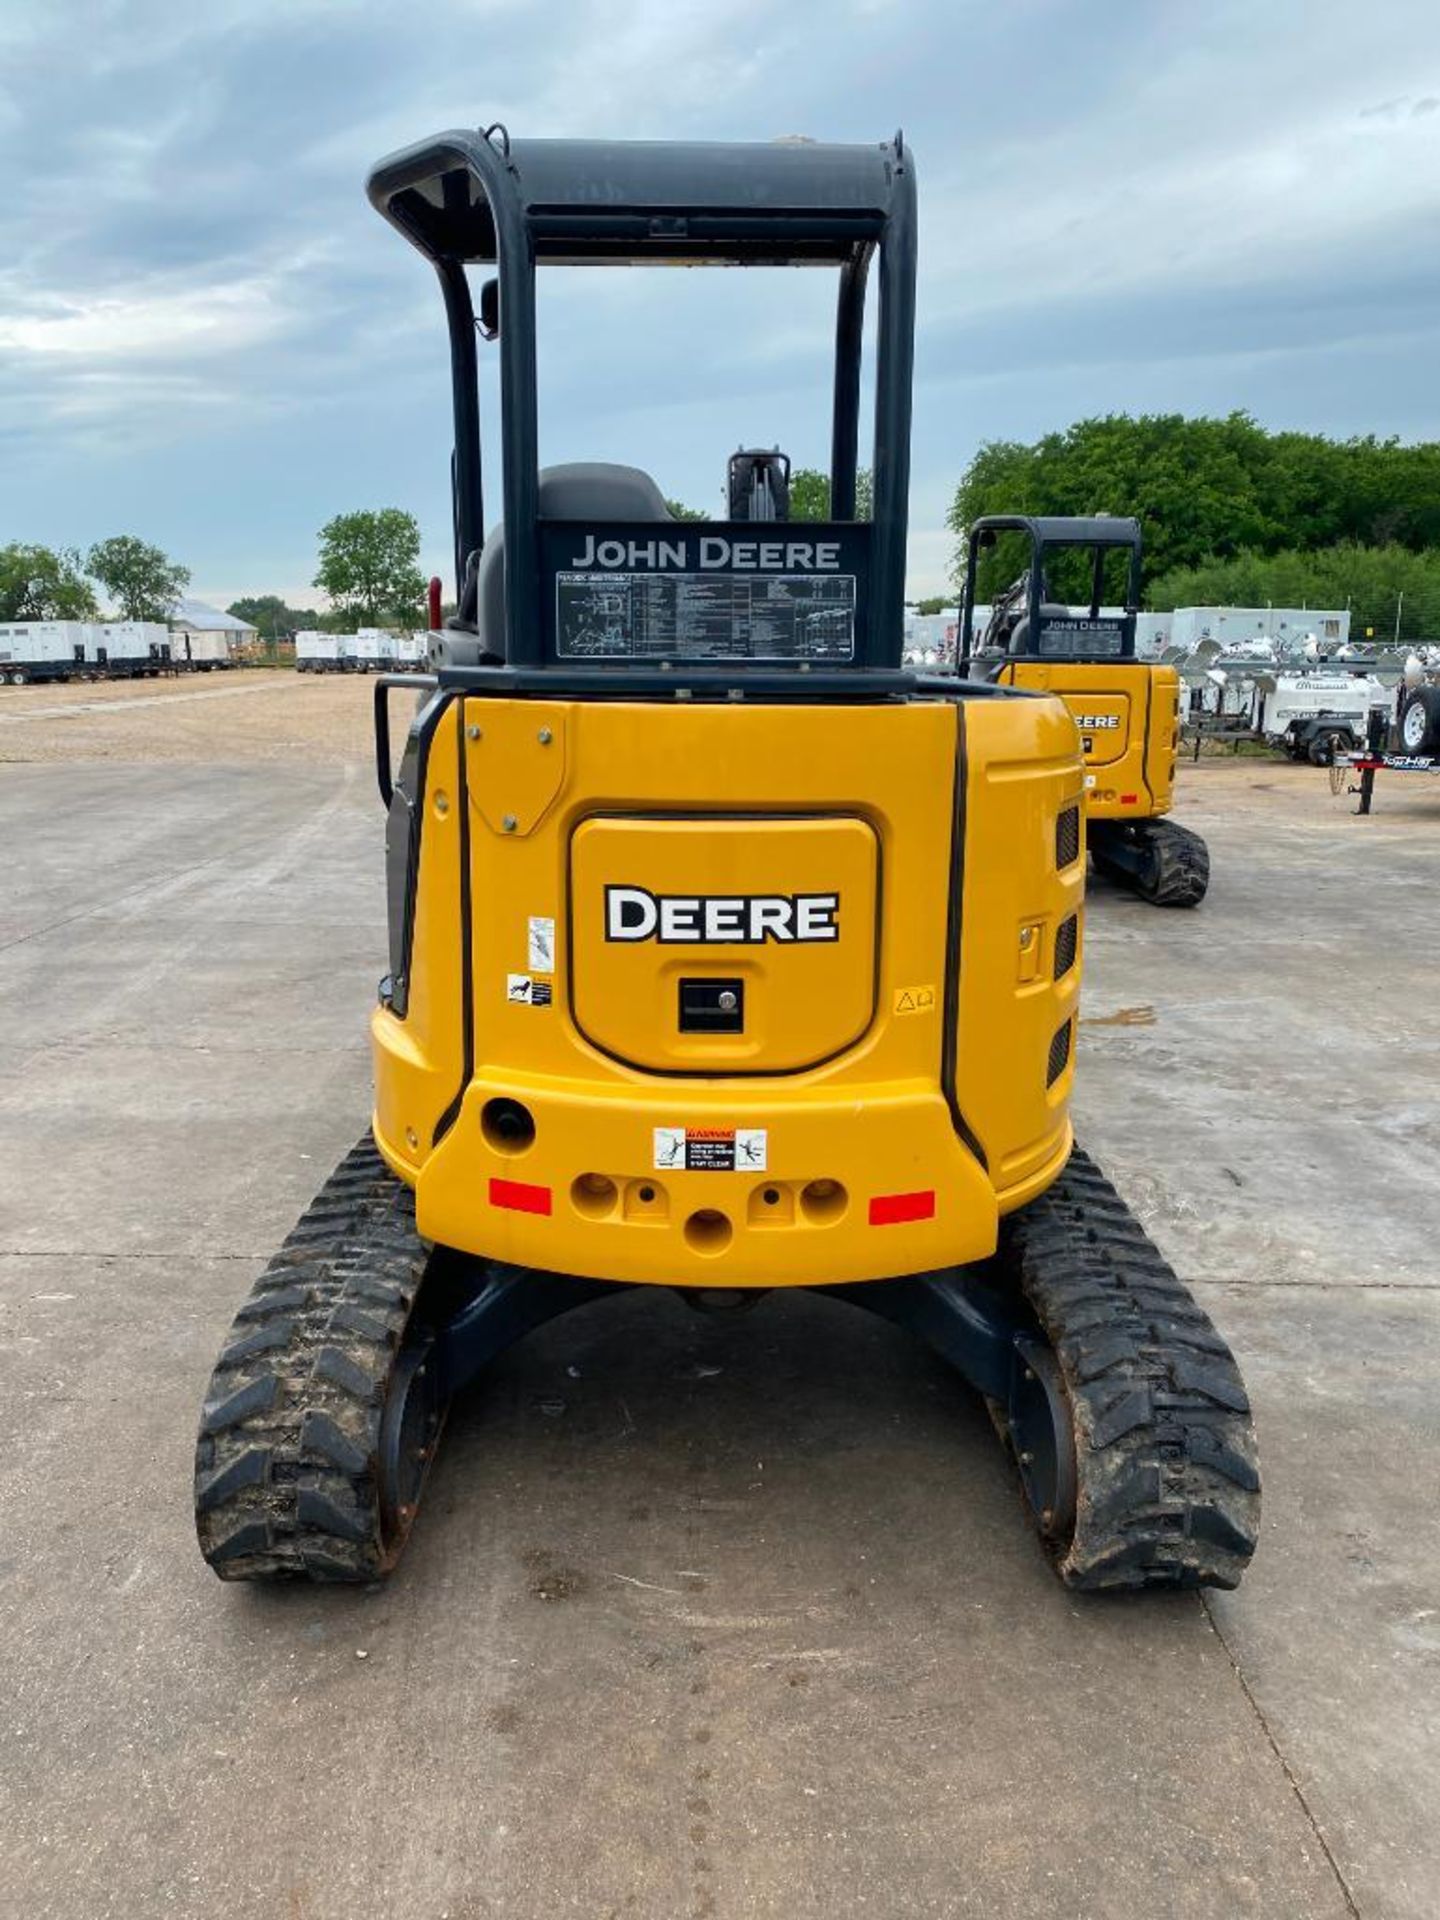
x,y
724,944
1103,718
1102,699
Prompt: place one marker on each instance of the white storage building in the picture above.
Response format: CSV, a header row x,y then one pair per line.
x,y
1286,627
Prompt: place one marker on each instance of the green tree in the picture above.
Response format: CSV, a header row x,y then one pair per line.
x,y
143,583
270,615
937,603
810,494
369,566
1206,488
679,511
39,583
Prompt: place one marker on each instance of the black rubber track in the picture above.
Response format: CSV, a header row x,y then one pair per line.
x,y
1176,864
286,1480
1168,1479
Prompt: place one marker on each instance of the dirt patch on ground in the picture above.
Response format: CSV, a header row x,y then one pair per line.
x,y
211,718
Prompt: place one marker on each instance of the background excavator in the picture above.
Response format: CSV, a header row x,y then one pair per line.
x,y
1127,710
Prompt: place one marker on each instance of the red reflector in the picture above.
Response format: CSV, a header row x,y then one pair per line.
x,y
893,1209
1128,799
519,1197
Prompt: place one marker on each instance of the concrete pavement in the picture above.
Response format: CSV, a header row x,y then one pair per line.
x,y
713,1621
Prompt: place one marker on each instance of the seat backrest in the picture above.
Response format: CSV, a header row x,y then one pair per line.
x,y
579,490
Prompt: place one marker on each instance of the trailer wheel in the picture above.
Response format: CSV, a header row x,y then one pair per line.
x,y
1327,747
1420,720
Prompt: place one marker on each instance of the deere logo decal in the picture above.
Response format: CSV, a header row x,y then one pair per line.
x,y
720,919
1096,722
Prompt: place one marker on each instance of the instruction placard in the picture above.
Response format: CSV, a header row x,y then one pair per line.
x,y
541,944
711,1149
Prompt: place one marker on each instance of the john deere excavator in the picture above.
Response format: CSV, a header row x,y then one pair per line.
x,y
1127,710
724,954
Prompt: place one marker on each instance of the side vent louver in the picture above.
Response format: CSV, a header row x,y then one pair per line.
x,y
1059,1055
1067,938
1067,837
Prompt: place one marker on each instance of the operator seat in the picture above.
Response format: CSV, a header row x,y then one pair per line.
x,y
579,490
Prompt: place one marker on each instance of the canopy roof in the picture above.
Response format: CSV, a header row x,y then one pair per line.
x,y
786,202
1057,530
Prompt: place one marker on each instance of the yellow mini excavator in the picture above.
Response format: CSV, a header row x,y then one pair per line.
x,y
724,954
1127,710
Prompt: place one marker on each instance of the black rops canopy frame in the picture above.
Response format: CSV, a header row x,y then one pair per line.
x,y
479,197
1097,533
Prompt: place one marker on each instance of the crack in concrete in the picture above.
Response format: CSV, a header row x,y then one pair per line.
x,y
100,906
1351,1905
88,1253
1326,1286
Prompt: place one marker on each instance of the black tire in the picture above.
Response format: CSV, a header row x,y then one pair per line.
x,y
1166,1473
1327,747
319,1423
1418,728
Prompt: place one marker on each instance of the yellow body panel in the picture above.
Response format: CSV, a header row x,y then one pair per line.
x,y
1127,713
839,1082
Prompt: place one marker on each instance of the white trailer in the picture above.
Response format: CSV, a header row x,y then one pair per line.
x,y
37,651
128,649
1315,716
375,649
317,652
411,649
194,652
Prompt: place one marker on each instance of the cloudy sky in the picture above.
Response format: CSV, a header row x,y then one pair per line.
x,y
208,338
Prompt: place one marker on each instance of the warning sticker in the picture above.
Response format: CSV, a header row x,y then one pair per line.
x,y
542,945
526,991
914,1000
711,1149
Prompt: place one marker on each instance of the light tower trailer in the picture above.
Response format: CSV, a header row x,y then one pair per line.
x,y
1317,717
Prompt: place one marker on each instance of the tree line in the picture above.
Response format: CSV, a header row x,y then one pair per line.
x,y
50,583
1233,514
369,571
